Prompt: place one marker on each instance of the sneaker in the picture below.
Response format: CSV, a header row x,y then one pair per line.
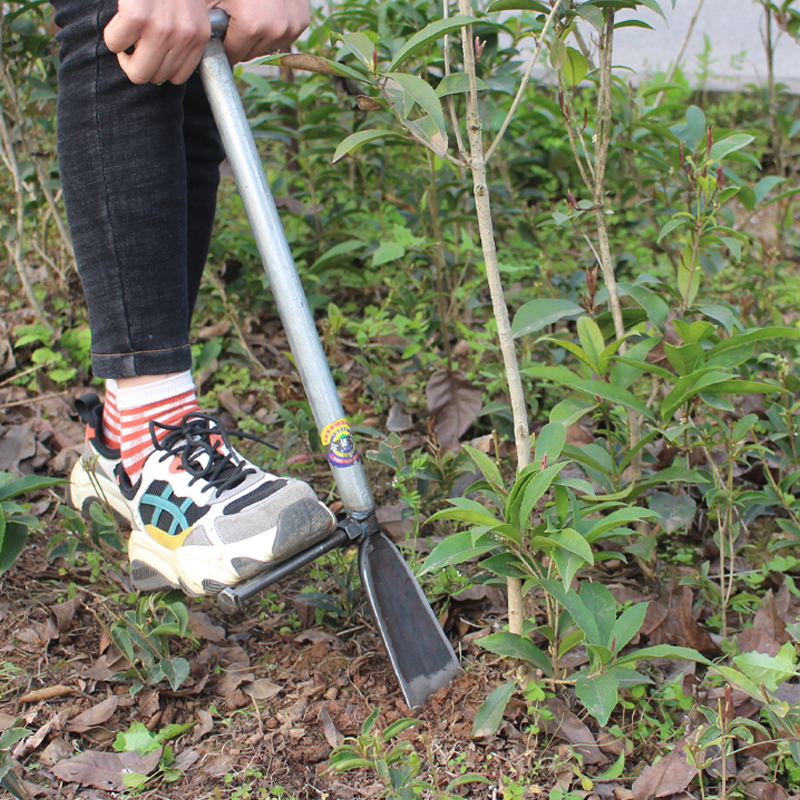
x,y
205,518
92,478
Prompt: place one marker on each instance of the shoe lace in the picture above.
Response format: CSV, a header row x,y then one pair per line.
x,y
194,437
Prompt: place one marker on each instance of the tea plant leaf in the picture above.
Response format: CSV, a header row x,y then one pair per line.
x,y
550,442
570,410
360,45
455,549
769,670
490,714
591,14
599,694
674,511
729,145
558,53
356,140
176,671
537,314
423,95
16,486
653,4
628,624
755,335
575,67
512,645
488,467
538,485
576,607
591,339
662,651
458,83
310,63
518,5
430,33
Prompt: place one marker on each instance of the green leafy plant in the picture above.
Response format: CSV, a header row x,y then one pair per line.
x,y
397,766
143,636
15,521
140,740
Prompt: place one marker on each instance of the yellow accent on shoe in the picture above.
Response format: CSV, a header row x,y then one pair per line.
x,y
171,542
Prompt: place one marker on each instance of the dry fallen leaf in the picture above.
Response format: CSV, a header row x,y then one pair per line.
x,y
94,716
262,689
454,403
105,771
669,776
568,727
333,736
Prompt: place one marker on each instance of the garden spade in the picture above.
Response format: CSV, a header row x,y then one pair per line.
x,y
418,649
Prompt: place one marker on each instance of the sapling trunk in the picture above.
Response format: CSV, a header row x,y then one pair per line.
x,y
480,185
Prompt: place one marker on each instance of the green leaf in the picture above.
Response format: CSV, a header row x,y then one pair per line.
x,y
518,5
361,46
628,624
537,486
430,33
765,186
772,671
591,14
136,739
386,252
558,54
176,671
696,124
537,314
455,549
730,145
512,645
396,728
27,483
591,340
662,651
458,83
614,771
656,308
653,4
581,615
674,512
575,67
15,537
752,335
489,469
490,714
424,95
599,694
550,442
569,411
356,140
674,224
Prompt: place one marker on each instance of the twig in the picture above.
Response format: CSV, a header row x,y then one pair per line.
x,y
28,400
524,82
235,322
451,106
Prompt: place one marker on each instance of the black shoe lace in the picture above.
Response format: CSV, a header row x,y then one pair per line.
x,y
192,438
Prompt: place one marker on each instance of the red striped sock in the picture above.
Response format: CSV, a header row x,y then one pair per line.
x,y
110,432
166,401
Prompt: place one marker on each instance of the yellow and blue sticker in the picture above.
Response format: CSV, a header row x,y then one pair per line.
x,y
337,441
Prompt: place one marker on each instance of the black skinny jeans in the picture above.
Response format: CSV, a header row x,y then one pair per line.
x,y
139,170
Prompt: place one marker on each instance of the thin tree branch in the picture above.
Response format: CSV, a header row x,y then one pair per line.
x,y
524,82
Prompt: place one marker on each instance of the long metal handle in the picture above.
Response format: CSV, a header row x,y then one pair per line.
x,y
276,256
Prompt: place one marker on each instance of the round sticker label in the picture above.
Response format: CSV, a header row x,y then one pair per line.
x,y
337,441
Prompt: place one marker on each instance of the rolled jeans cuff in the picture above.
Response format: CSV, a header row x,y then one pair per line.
x,y
148,362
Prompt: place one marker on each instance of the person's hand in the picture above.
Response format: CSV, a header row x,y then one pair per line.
x,y
257,27
168,37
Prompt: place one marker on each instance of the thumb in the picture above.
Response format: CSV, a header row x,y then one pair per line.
x,y
121,33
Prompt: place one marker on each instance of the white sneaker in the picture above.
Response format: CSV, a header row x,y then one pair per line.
x,y
92,478
205,518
